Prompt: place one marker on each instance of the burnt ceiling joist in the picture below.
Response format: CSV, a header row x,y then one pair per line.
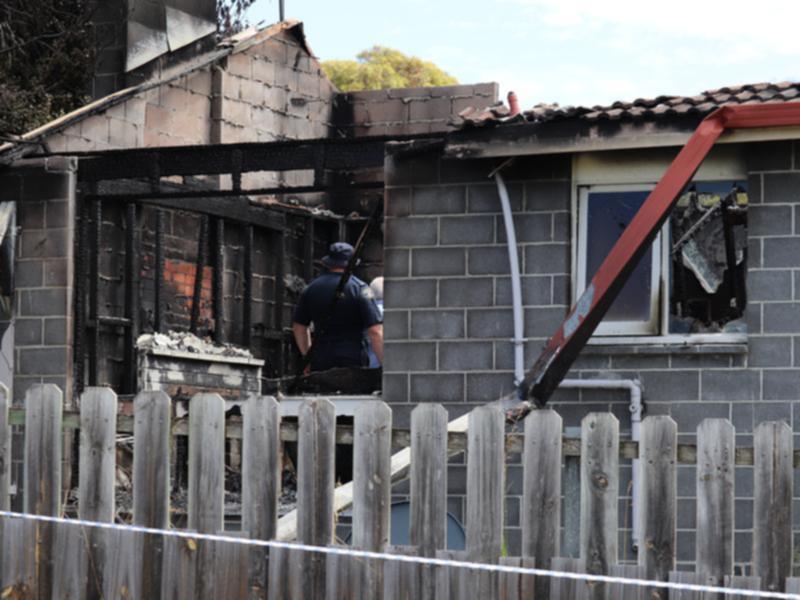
x,y
288,155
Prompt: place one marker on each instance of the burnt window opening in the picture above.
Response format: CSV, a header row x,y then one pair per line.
x,y
708,259
692,279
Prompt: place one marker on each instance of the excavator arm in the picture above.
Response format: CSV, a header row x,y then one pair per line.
x,y
583,318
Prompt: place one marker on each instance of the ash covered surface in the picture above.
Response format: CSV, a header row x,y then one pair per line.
x,y
187,342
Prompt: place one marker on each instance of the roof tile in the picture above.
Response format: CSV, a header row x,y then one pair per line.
x,y
641,109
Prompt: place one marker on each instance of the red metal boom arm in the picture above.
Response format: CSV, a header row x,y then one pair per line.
x,y
570,338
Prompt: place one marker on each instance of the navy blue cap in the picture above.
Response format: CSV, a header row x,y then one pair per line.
x,y
338,255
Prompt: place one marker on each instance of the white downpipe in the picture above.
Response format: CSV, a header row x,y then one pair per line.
x,y
516,288
632,386
634,389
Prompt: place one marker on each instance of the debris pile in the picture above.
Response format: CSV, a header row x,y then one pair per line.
x,y
183,341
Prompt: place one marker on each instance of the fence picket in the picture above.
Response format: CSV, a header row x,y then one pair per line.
x,y
206,480
715,469
71,578
151,457
741,582
772,504
97,464
485,492
792,585
568,589
402,580
231,567
337,577
316,467
513,586
260,482
42,469
372,451
277,573
179,567
428,510
599,492
5,449
685,577
658,456
451,581
123,567
541,491
619,591
18,558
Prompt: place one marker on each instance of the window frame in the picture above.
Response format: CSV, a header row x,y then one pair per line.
x,y
659,275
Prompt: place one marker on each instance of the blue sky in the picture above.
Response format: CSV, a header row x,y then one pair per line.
x,y
567,51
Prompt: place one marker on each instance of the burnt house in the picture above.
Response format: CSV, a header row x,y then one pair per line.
x,y
193,195
706,326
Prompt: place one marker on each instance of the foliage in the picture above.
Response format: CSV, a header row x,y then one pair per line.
x,y
47,54
230,15
380,68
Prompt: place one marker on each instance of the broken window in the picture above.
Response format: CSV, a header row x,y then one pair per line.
x,y
692,278
708,259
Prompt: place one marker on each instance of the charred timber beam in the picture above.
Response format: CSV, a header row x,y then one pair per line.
x,y
247,292
232,208
217,291
158,288
139,195
94,282
131,296
215,159
202,249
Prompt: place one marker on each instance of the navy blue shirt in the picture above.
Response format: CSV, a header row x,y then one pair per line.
x,y
342,343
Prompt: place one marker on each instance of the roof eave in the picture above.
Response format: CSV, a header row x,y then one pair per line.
x,y
572,137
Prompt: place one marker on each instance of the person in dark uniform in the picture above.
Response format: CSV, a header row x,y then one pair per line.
x,y
342,340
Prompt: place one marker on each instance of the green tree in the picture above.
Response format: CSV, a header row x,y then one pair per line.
x,y
47,55
231,15
380,68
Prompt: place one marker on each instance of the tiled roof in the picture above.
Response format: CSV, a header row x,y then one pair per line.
x,y
660,108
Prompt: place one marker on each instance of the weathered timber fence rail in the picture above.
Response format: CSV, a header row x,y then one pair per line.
x,y
55,560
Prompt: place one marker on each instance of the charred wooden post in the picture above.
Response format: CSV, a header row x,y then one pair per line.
x,y
158,300
94,282
217,287
131,296
202,245
247,293
308,250
280,294
81,274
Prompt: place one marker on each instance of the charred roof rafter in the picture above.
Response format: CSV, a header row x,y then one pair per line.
x,y
216,159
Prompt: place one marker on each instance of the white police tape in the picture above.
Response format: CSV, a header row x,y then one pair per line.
x,y
438,562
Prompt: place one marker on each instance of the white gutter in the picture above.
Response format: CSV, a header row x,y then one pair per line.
x,y
516,289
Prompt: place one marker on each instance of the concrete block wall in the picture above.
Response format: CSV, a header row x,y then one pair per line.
x,y
270,91
44,276
411,110
448,316
44,191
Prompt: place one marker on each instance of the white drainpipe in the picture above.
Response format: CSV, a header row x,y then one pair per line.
x,y
516,288
632,386
634,389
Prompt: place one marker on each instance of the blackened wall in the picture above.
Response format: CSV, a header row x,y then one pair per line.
x,y
449,322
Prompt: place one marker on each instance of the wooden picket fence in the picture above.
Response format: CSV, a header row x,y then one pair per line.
x,y
58,560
